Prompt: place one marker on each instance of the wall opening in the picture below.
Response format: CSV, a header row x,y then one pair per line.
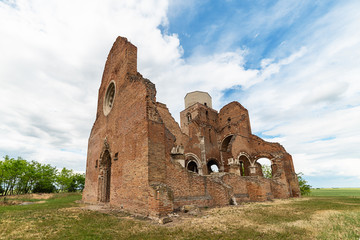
x,y
109,98
266,167
242,168
244,165
225,143
104,177
192,166
188,115
210,135
212,166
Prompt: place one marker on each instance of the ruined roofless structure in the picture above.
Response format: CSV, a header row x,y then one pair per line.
x,y
140,160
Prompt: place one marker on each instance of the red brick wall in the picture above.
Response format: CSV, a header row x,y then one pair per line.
x,y
140,133
126,131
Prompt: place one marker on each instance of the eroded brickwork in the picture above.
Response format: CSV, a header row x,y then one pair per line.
x,y
141,160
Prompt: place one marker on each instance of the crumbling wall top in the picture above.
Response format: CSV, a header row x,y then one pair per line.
x,y
123,55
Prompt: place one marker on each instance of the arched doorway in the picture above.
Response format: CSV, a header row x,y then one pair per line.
x,y
212,166
104,177
266,167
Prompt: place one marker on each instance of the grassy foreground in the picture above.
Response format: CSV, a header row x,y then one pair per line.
x,y
59,217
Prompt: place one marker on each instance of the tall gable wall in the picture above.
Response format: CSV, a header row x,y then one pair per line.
x,y
123,132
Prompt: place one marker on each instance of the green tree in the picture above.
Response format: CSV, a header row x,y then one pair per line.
x,y
45,178
12,171
267,172
68,181
64,179
27,178
1,178
80,181
18,176
305,188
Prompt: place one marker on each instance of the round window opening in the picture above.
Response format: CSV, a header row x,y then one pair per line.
x,y
109,98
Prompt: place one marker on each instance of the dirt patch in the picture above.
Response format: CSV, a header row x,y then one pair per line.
x,y
8,202
40,195
30,196
30,203
24,199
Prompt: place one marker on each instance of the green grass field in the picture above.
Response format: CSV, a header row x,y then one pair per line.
x,y
314,217
345,192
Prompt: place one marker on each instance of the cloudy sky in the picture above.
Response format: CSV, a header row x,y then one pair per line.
x,y
295,65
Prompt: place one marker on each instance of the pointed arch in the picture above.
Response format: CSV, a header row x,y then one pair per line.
x,y
104,177
193,163
226,142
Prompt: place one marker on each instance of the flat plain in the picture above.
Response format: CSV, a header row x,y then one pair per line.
x,y
325,214
333,192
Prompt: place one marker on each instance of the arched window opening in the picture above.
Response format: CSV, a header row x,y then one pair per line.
x,y
192,166
205,104
188,115
212,166
207,114
242,168
266,167
244,165
225,143
229,120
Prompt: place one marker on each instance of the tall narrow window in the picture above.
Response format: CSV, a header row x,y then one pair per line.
x,y
188,115
242,168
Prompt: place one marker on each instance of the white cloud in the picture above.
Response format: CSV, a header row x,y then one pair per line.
x,y
53,54
313,102
52,58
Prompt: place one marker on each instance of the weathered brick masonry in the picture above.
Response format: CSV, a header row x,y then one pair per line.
x,y
141,160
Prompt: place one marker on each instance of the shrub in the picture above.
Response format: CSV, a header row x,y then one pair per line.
x,y
44,187
305,188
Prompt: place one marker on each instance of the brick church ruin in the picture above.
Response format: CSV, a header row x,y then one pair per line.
x,y
140,160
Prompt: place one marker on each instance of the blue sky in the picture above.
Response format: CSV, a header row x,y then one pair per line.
x,y
293,64
217,26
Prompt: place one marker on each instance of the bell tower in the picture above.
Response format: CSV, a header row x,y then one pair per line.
x,y
197,103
